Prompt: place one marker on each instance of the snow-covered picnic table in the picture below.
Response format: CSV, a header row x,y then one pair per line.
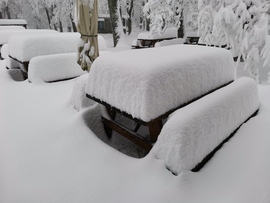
x,y
149,84
148,39
13,22
22,48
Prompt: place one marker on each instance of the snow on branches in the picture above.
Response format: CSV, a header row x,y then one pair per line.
x,y
241,25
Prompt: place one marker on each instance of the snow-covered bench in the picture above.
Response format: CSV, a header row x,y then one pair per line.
x,y
56,67
192,134
22,48
149,84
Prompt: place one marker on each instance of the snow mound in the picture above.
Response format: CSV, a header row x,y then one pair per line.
x,y
194,131
101,43
170,42
6,34
25,47
147,83
55,67
4,51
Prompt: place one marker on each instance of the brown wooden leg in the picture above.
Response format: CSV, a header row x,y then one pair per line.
x,y
154,129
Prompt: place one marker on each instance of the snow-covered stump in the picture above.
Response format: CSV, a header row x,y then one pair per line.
x,y
191,133
56,67
148,84
23,48
4,52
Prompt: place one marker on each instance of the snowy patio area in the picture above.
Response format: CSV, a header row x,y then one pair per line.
x,y
50,152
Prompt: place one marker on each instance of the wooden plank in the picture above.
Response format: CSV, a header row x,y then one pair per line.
x,y
134,137
155,127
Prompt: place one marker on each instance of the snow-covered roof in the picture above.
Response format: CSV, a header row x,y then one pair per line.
x,y
147,83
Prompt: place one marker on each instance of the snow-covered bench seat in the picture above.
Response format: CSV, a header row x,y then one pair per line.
x,y
149,84
192,132
23,48
56,67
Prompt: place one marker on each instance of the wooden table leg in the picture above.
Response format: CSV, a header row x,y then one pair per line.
x,y
154,129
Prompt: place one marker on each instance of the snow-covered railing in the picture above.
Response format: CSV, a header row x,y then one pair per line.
x,y
23,48
13,22
148,84
192,132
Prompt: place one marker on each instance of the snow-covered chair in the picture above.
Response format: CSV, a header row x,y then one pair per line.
x,y
56,67
193,134
22,48
149,84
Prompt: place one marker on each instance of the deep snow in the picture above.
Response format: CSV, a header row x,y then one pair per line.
x,y
49,154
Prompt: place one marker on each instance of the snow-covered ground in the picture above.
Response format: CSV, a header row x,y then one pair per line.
x,y
50,152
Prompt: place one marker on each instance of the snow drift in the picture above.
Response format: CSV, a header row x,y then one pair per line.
x,y
194,131
147,83
54,67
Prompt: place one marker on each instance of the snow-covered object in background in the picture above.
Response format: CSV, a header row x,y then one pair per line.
x,y
2,28
25,47
78,97
147,83
169,33
6,34
192,132
54,67
240,25
4,51
169,42
13,22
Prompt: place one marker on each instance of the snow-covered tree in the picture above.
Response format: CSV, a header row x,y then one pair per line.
x,y
162,13
241,25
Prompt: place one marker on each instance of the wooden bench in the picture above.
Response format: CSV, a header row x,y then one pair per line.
x,y
147,85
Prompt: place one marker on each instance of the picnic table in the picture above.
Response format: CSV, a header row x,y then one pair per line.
x,y
148,39
147,89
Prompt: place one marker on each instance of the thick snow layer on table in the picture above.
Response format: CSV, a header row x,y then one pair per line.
x,y
168,33
13,22
4,51
6,34
147,83
192,132
170,42
2,28
25,47
54,67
